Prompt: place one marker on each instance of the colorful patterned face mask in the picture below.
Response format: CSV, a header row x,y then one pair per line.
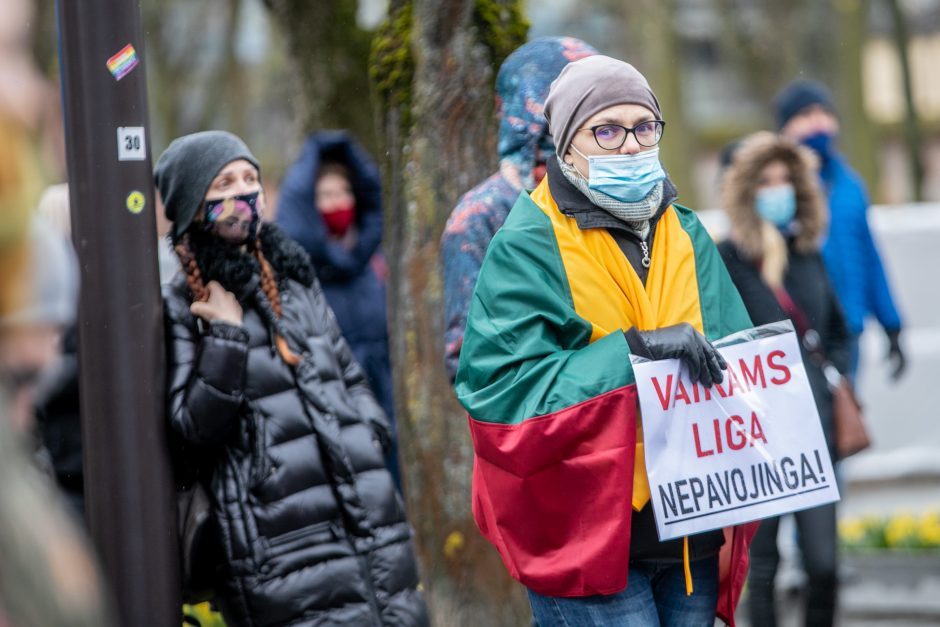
x,y
234,219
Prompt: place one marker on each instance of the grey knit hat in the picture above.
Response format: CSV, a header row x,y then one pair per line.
x,y
186,169
589,86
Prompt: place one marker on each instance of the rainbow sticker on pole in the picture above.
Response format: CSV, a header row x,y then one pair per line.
x,y
123,62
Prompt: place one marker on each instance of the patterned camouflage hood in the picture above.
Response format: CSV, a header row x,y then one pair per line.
x,y
521,88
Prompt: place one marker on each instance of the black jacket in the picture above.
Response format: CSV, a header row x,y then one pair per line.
x,y
312,529
809,287
59,421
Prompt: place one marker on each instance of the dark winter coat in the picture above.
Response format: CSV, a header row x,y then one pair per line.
x,y
59,422
311,527
807,284
353,289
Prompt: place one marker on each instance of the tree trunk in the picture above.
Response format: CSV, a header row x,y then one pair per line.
x,y
912,131
857,135
763,46
650,22
433,69
329,54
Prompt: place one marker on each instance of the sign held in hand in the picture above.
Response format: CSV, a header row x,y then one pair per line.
x,y
750,447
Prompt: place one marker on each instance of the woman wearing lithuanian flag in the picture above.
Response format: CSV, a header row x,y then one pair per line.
x,y
596,263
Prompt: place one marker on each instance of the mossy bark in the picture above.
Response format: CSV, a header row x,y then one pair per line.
x,y
433,68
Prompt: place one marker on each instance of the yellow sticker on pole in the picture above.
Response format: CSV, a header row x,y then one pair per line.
x,y
136,202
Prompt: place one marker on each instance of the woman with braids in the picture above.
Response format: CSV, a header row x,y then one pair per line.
x,y
261,382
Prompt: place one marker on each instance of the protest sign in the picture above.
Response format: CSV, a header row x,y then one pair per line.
x,y
748,448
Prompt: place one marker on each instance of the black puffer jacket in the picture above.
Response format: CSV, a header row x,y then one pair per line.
x,y
313,531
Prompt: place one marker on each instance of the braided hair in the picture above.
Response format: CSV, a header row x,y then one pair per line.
x,y
273,294
191,269
269,287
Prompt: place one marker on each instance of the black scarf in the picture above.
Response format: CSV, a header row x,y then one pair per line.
x,y
238,270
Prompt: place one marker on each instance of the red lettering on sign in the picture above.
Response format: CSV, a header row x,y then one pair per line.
x,y
733,433
752,376
757,432
735,444
781,368
663,398
698,443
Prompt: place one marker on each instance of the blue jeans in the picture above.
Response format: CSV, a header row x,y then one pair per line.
x,y
655,597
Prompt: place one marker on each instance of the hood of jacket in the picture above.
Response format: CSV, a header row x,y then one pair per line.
x,y
298,215
521,89
748,231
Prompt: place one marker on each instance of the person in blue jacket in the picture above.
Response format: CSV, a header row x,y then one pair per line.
x,y
805,113
331,204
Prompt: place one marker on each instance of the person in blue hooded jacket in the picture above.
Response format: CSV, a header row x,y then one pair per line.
x,y
524,145
806,114
331,204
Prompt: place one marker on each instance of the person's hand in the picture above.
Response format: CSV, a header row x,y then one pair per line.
x,y
222,306
895,356
683,342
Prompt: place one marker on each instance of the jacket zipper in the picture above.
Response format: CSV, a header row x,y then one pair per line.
x,y
373,598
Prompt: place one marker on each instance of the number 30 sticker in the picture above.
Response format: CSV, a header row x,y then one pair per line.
x,y
131,143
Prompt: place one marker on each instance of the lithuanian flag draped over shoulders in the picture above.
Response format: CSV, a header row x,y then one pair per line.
x,y
545,375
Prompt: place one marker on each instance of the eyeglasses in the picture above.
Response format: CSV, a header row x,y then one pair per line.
x,y
613,136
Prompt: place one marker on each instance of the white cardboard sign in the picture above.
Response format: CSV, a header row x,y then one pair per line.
x,y
749,448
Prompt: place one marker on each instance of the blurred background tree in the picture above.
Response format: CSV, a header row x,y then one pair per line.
x,y
433,70
912,129
329,61
272,70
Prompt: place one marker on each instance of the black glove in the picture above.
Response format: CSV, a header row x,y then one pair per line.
x,y
895,355
683,342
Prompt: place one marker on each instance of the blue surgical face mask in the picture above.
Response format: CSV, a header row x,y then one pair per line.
x,y
627,178
776,204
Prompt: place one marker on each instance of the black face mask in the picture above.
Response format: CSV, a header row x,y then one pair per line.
x,y
234,219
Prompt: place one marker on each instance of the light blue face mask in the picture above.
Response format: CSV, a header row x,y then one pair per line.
x,y
627,178
776,204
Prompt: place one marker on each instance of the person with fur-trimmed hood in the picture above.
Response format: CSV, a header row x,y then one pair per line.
x,y
777,216
262,383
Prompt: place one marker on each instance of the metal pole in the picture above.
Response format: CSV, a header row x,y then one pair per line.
x,y
129,494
